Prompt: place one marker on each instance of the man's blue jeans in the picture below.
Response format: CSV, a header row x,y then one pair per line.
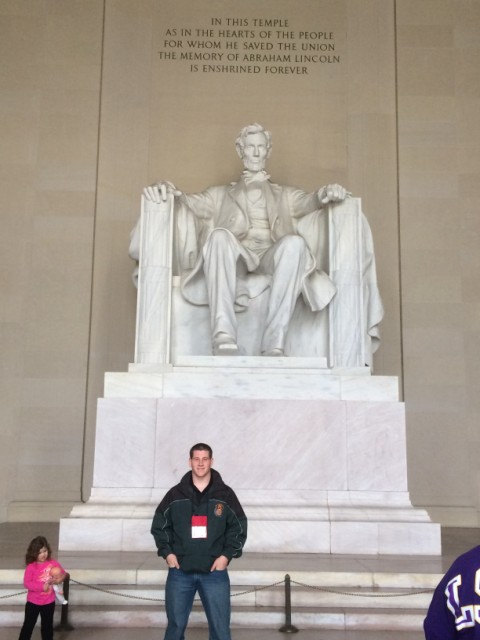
x,y
214,591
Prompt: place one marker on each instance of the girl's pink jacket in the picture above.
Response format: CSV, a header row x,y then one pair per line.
x,y
36,574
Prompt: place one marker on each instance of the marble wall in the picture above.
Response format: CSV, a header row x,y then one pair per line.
x,y
328,125
49,109
89,115
439,195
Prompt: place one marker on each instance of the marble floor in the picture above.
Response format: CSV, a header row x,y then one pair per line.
x,y
14,538
202,634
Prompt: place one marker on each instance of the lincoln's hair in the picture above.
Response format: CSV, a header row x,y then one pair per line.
x,y
34,548
201,446
249,130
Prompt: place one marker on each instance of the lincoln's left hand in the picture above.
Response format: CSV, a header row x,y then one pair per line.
x,y
332,193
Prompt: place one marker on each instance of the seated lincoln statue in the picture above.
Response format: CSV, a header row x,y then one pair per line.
x,y
253,236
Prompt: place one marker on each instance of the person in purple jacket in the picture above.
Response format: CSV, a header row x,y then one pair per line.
x,y
454,611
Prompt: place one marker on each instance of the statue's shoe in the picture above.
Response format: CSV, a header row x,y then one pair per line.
x,y
273,353
225,345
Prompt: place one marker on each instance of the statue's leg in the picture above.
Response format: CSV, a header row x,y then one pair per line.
x,y
285,261
220,254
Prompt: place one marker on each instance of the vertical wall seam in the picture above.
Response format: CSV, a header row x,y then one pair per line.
x,y
89,341
397,151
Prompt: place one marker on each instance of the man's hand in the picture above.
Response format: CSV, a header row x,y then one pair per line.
x,y
220,564
172,561
332,193
158,192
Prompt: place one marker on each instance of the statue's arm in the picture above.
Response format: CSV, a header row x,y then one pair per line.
x,y
302,203
203,205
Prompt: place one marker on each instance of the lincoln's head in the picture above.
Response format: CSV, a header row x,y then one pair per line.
x,y
254,146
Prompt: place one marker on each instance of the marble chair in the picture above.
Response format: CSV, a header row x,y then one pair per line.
x,y
345,334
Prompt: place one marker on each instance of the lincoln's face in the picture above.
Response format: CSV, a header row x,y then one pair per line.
x,y
255,151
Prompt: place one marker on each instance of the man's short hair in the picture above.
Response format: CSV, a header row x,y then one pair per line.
x,y
251,129
201,446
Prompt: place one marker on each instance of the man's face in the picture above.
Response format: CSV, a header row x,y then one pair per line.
x,y
255,152
200,463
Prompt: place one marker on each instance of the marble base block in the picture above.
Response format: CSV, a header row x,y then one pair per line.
x,y
314,474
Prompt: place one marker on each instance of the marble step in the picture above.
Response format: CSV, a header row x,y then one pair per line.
x,y
327,591
207,377
351,606
260,618
246,596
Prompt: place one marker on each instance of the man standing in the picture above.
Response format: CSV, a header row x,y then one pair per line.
x,y
198,527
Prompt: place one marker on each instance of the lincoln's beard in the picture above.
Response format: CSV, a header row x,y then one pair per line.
x,y
254,165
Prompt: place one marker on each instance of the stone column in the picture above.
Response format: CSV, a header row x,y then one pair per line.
x,y
154,297
346,310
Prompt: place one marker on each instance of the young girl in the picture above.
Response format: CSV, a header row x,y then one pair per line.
x,y
41,596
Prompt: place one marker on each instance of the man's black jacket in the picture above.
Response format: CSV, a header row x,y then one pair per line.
x,y
226,524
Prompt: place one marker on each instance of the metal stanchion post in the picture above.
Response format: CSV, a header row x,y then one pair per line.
x,y
64,624
288,627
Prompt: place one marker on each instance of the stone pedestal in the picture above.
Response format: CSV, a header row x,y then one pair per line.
x,y
317,456
313,444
